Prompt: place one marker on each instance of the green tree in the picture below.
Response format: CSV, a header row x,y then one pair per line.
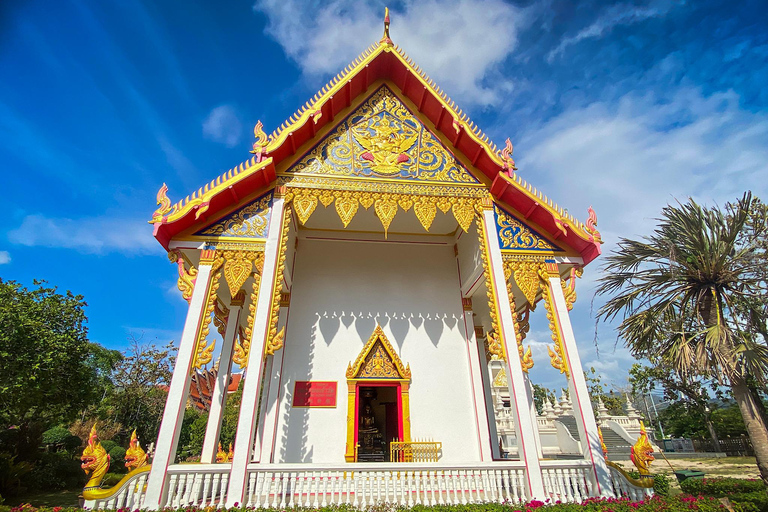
x,y
611,400
686,294
138,397
645,379
540,395
48,370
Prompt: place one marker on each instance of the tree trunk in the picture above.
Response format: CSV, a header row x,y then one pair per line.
x,y
756,427
711,428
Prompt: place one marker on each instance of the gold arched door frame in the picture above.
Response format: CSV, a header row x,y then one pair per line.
x,y
376,367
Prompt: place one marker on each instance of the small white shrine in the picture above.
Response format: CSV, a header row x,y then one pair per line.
x,y
372,268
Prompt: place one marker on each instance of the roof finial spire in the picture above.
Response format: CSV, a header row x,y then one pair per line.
x,y
386,38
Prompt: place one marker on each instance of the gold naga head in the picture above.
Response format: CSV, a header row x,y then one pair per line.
x,y
641,453
135,456
221,455
95,460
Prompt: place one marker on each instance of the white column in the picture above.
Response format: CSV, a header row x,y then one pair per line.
x,y
526,443
485,374
219,396
170,426
582,406
529,392
246,421
270,405
478,394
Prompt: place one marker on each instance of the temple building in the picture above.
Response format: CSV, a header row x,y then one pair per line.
x,y
372,269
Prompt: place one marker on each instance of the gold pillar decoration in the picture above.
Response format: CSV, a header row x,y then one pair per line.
x,y
220,315
556,353
526,274
275,339
494,343
569,288
203,347
386,204
526,357
386,209
237,268
242,348
186,282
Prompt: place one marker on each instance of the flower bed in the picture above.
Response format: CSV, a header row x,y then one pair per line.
x,y
681,503
750,494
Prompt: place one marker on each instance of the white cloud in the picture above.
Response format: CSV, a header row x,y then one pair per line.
x,y
632,158
615,15
459,43
5,257
223,126
90,235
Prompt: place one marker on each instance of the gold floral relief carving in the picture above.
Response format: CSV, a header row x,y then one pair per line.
x,y
242,348
382,138
556,353
220,315
187,278
274,339
305,205
386,209
203,347
495,346
346,207
526,274
237,268
513,234
347,203
569,287
378,359
250,221
526,356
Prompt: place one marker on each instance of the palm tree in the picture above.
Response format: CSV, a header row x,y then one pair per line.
x,y
690,294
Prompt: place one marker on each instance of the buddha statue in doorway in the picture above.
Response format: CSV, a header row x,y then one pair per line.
x,y
370,439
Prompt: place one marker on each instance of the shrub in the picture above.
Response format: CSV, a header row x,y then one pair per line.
x,y
117,459
111,479
12,473
720,487
55,471
661,484
108,445
749,494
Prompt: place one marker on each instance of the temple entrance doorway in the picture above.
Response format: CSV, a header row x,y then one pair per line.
x,y
379,421
378,410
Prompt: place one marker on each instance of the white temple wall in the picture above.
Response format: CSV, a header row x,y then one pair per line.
x,y
341,290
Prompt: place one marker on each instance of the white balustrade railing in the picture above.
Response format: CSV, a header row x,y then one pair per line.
x,y
567,480
362,485
358,485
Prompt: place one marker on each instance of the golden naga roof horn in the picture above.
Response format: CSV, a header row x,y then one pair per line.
x,y
386,39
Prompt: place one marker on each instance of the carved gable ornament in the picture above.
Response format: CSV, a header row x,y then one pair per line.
x,y
383,139
514,235
250,221
378,360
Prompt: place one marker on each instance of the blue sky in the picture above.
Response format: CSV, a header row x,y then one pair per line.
x,y
623,106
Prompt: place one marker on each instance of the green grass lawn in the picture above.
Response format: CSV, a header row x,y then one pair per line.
x,y
65,498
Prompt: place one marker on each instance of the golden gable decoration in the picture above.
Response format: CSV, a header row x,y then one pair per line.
x,y
378,360
383,139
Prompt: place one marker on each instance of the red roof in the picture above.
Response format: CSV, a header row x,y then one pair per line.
x,y
382,61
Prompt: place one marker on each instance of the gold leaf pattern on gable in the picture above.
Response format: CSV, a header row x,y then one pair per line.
x,y
383,139
513,234
251,221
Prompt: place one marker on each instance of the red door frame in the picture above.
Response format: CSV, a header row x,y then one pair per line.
x,y
379,384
